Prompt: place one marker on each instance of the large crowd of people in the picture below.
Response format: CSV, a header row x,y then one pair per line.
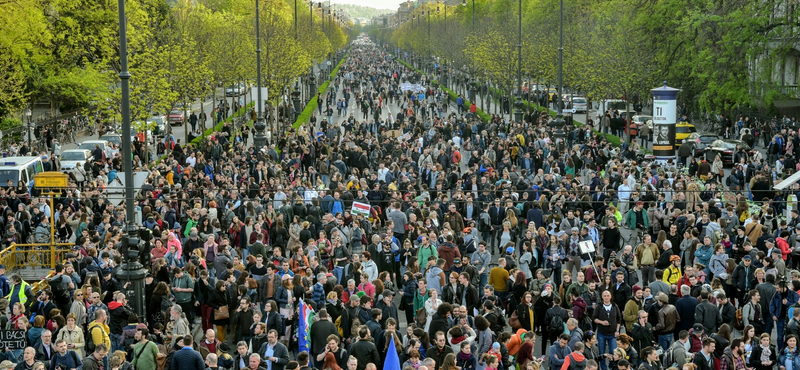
x,y
488,236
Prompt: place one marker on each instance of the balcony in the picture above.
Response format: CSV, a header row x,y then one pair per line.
x,y
790,91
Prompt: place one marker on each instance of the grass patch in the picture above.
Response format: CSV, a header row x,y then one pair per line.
x,y
483,116
305,115
613,139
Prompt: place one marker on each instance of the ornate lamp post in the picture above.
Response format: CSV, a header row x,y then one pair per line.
x,y
296,101
259,139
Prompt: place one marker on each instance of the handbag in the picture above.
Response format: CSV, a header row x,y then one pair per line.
x,y
422,316
221,313
514,322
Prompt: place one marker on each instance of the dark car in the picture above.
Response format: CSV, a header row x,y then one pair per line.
x,y
726,148
699,141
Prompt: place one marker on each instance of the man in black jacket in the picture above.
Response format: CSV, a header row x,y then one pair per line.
x,y
364,350
274,352
726,310
705,359
706,314
439,350
608,318
793,325
439,322
242,354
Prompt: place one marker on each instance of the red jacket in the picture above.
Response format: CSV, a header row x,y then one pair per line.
x,y
783,244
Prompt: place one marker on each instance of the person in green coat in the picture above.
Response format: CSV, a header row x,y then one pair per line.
x,y
144,351
636,219
426,249
420,296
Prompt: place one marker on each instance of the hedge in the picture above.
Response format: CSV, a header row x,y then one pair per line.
x,y
485,117
613,139
305,115
218,127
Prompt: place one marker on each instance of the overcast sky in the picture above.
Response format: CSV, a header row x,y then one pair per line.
x,y
378,4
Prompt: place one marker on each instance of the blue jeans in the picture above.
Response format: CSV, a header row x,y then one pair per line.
x,y
115,341
665,340
338,271
602,342
245,253
484,280
780,324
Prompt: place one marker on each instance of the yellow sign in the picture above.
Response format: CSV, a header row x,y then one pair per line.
x,y
50,180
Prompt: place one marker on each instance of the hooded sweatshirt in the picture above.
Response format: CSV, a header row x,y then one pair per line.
x,y
576,356
434,279
578,308
515,342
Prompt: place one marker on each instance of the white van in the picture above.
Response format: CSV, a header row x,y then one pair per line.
x,y
20,169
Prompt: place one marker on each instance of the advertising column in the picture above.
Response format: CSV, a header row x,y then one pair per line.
x,y
665,110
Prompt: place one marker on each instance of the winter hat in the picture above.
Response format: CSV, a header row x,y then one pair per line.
x,y
636,288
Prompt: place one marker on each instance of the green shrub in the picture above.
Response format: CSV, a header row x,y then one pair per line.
x,y
614,140
305,115
483,116
10,123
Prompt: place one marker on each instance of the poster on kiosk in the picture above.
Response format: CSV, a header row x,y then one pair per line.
x,y
665,110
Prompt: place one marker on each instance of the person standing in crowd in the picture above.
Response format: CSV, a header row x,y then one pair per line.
x,y
462,219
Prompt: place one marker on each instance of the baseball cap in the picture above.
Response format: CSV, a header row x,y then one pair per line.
x,y
747,257
510,250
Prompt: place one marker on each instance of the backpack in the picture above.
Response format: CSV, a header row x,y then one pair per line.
x,y
585,323
338,324
556,324
484,224
89,347
59,293
667,360
470,248
573,364
738,319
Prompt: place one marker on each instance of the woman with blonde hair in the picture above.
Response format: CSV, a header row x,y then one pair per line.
x,y
73,335
18,319
512,218
78,308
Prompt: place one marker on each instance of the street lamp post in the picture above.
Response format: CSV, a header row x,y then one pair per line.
x,y
29,115
259,139
558,123
131,269
518,102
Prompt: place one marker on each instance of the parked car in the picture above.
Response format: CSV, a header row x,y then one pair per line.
x,y
176,117
579,104
700,141
235,90
641,120
726,148
70,158
113,139
161,122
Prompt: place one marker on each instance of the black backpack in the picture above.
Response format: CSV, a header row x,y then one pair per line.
x,y
556,324
483,225
89,347
59,293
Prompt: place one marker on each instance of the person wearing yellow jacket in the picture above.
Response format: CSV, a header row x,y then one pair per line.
x,y
98,329
673,273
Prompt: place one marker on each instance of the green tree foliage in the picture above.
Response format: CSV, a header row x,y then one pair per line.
x,y
67,51
726,55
